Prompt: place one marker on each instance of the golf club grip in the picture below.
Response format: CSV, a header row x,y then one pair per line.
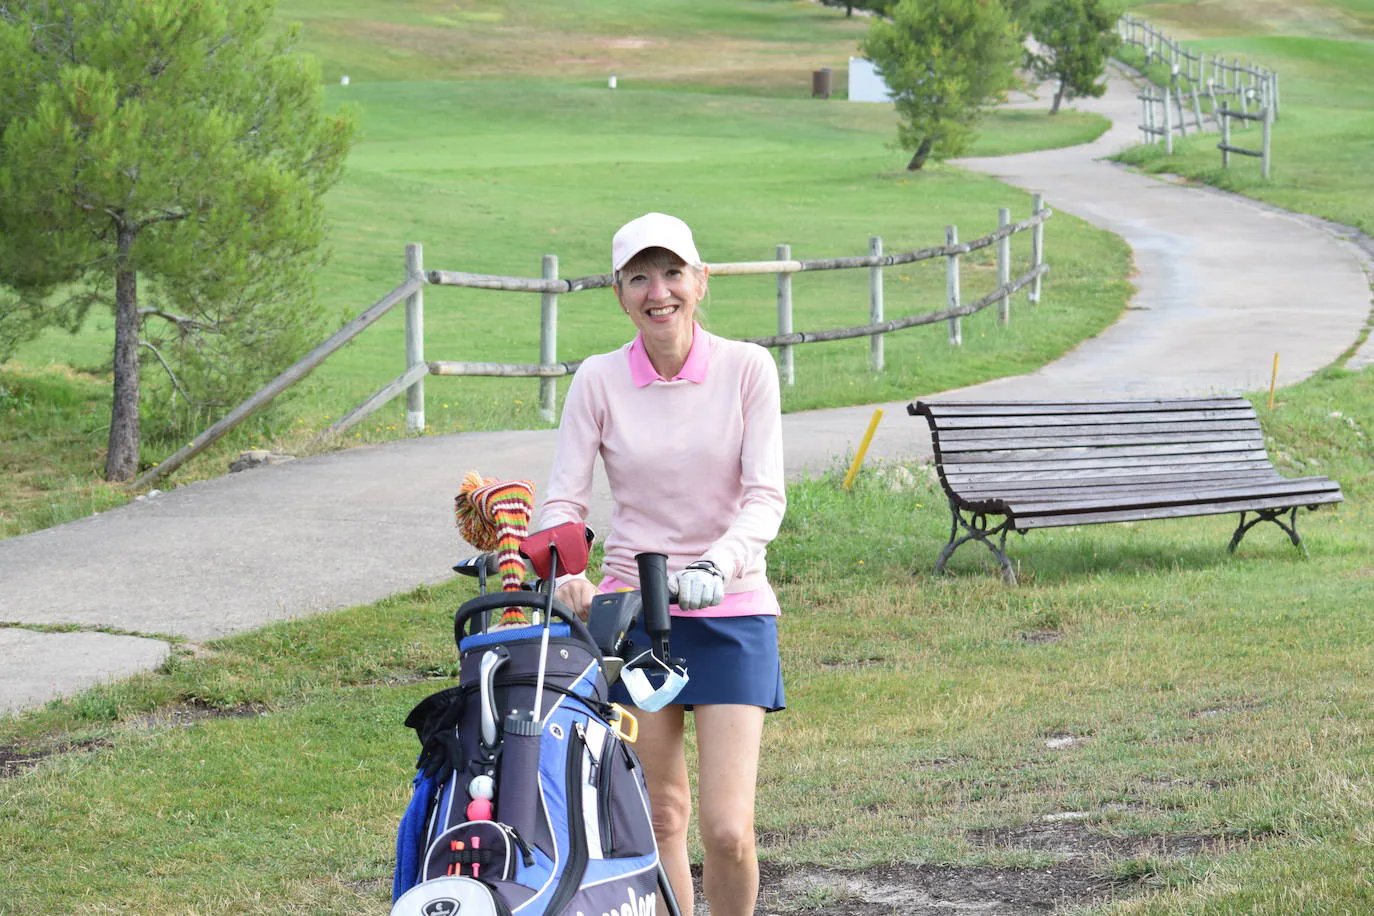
x,y
490,563
653,588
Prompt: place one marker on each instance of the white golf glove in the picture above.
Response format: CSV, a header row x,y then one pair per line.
x,y
700,585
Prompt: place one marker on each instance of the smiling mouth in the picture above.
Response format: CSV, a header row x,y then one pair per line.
x,y
661,311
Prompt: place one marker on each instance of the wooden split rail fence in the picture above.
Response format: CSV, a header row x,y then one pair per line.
x,y
549,287
1231,91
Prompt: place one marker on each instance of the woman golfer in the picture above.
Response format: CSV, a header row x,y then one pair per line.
x,y
688,427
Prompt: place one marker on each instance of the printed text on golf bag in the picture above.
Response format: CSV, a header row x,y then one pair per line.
x,y
525,802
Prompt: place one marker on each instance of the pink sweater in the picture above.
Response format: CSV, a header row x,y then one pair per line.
x,y
694,463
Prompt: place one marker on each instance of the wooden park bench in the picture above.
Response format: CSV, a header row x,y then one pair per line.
x,y
1049,464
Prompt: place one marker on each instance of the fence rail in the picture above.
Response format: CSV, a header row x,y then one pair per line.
x,y
550,287
549,368
1229,89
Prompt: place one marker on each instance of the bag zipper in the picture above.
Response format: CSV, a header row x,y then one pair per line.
x,y
603,795
577,843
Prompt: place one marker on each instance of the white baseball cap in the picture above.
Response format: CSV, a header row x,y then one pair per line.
x,y
653,230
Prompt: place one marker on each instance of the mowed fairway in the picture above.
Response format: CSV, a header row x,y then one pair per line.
x,y
1323,141
1146,726
490,136
503,176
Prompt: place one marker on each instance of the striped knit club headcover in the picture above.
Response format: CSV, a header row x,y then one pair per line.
x,y
495,515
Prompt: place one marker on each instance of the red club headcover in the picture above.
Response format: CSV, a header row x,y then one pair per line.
x,y
572,541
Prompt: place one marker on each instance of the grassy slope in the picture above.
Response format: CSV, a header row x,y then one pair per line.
x,y
1324,55
1221,704
1215,697
491,166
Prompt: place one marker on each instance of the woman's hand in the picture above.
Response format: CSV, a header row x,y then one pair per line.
x,y
700,585
577,594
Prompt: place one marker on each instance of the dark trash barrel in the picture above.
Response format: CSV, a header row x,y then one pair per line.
x,y
820,83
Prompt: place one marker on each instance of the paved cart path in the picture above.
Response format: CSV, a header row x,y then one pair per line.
x,y
1223,283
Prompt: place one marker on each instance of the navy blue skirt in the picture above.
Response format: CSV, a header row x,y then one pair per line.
x,y
729,660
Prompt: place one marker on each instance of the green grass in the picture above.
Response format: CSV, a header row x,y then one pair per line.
x,y
53,423
1321,142
493,167
1214,697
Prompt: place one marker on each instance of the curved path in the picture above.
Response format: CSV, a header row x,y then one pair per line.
x,y
1224,283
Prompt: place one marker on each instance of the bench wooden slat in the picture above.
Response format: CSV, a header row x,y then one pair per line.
x,y
1134,515
1162,430
1055,421
944,409
1035,460
993,421
1178,496
1024,503
956,480
1059,489
953,447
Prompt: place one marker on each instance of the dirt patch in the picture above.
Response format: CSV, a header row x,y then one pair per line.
x,y
830,661
1041,636
913,890
188,714
16,759
1075,842
1077,880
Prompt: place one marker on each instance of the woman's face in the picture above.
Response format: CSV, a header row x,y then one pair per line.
x,y
660,294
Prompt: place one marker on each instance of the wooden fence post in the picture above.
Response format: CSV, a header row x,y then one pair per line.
x,y
875,305
956,330
1225,135
1264,148
415,339
548,341
1242,92
1174,96
1037,246
1168,124
788,368
1004,267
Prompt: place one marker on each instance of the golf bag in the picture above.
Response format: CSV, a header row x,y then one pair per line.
x,y
528,796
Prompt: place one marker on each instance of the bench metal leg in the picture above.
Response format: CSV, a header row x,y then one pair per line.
x,y
1270,515
976,526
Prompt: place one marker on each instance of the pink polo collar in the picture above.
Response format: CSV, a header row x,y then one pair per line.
x,y
642,372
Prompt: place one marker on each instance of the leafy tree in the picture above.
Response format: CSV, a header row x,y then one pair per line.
x,y
166,158
1020,11
1073,39
943,61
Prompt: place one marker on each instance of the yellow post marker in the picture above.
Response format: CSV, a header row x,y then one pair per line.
x,y
863,449
1273,380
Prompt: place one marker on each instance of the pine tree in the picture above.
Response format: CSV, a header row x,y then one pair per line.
x,y
166,158
1074,39
943,61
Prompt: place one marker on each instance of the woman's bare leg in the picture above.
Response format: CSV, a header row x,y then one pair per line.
x,y
728,738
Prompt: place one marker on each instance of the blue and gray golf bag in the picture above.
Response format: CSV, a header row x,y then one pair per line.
x,y
529,798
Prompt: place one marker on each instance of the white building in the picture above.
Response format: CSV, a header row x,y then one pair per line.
x,y
865,85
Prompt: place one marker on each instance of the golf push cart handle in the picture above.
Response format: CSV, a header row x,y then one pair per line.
x,y
653,587
536,601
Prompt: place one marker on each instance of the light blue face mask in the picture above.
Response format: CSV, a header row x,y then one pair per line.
x,y
642,690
